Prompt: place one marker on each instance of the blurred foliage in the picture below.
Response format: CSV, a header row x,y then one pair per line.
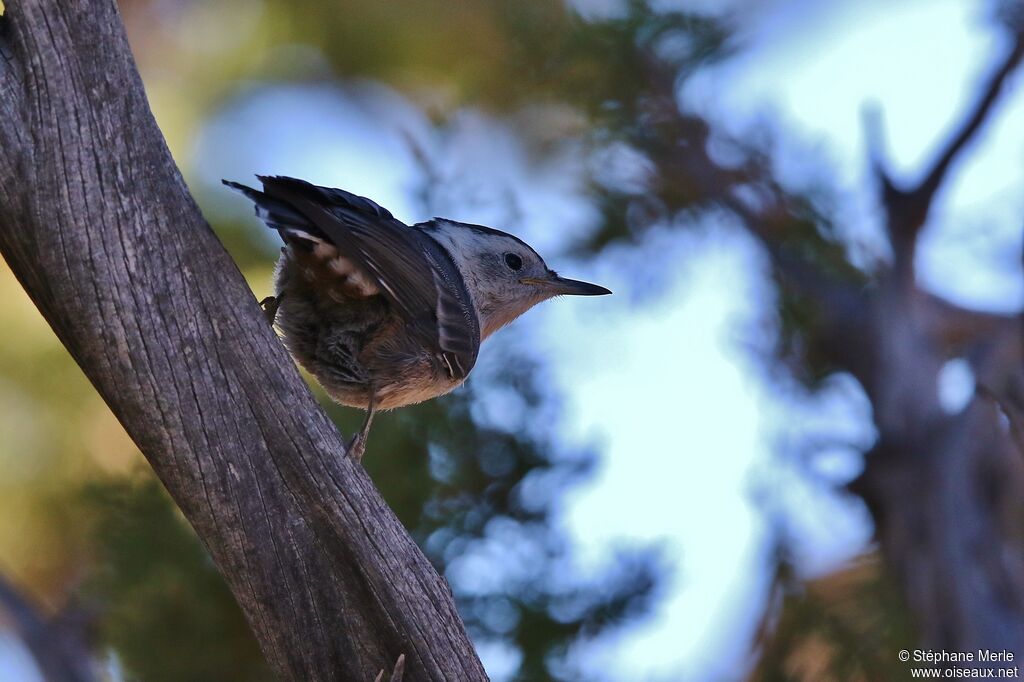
x,y
482,498
479,496
162,606
847,625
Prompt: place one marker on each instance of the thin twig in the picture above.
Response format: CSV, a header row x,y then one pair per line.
x,y
990,93
908,209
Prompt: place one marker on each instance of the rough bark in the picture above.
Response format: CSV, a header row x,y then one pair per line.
x,y
98,226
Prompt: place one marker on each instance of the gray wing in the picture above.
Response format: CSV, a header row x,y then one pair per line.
x,y
415,274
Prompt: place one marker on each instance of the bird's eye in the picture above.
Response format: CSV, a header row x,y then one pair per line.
x,y
513,261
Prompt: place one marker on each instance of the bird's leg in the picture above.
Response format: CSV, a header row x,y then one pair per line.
x,y
357,445
270,305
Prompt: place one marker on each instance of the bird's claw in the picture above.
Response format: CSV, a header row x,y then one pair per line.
x,y
270,305
356,447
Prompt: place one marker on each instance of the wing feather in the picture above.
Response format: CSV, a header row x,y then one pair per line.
x,y
413,271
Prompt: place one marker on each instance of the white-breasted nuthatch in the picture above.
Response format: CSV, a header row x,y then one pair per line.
x,y
384,314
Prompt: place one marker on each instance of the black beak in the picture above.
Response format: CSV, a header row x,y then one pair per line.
x,y
559,286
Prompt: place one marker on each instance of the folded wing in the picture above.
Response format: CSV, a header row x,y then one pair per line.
x,y
411,270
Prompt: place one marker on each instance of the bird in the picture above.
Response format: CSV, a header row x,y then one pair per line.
x,y
384,314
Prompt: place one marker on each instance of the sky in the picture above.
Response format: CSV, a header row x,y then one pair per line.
x,y
664,377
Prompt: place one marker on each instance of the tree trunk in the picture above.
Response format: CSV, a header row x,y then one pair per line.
x,y
98,226
944,489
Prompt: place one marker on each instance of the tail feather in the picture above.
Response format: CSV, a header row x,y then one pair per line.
x,y
279,216
342,203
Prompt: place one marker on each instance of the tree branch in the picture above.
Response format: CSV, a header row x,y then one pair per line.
x,y
61,656
943,486
961,330
990,92
98,226
907,210
944,489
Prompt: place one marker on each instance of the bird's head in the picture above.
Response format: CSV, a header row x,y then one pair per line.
x,y
504,275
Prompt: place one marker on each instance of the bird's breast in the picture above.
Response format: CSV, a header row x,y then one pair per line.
x,y
405,393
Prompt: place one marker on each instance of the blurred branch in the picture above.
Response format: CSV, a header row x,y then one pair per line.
x,y
965,471
1012,409
958,328
99,228
907,210
944,489
61,656
970,126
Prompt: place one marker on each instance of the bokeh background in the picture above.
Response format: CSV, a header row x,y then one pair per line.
x,y
638,487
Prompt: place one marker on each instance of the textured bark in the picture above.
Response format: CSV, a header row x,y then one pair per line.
x,y
98,226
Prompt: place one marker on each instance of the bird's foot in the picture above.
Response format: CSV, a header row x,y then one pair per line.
x,y
270,305
356,446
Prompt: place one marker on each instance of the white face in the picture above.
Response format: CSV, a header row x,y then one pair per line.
x,y
494,266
